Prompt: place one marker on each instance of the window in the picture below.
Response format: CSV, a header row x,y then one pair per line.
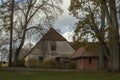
x,y
40,58
53,48
57,59
90,60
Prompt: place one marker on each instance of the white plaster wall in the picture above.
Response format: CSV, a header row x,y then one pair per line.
x,y
63,49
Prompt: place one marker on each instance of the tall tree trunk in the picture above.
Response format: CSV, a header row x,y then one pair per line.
x,y
101,39
101,59
111,17
16,60
102,31
114,36
11,31
19,49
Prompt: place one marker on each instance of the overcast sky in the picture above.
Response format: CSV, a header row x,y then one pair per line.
x,y
65,22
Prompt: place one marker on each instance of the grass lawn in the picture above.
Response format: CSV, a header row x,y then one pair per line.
x,y
58,75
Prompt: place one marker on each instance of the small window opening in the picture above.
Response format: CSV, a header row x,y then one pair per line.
x,y
90,61
53,48
40,58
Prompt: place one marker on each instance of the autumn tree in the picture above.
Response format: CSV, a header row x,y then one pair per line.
x,y
99,21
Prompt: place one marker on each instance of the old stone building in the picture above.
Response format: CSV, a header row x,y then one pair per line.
x,y
51,46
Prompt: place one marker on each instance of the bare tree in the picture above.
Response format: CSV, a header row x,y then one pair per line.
x,y
31,18
41,12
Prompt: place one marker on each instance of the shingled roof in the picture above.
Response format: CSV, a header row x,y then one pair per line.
x,y
52,35
83,52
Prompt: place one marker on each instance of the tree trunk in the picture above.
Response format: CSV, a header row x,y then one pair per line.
x,y
101,39
111,17
11,32
19,49
107,54
114,36
101,59
102,31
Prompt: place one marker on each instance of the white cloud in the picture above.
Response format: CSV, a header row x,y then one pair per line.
x,y
65,19
65,22
69,36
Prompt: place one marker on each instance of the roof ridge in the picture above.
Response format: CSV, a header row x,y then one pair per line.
x,y
53,35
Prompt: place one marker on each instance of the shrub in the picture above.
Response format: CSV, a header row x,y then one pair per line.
x,y
71,65
21,63
33,63
50,64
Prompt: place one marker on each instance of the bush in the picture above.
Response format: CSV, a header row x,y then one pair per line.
x,y
72,65
50,64
21,63
33,63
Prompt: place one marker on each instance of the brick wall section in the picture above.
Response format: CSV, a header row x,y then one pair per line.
x,y
83,63
105,63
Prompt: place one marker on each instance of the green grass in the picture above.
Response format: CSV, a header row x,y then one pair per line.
x,y
58,75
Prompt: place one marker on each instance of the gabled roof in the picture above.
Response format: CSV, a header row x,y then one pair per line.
x,y
83,52
52,35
